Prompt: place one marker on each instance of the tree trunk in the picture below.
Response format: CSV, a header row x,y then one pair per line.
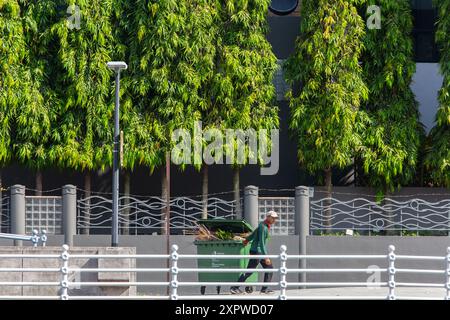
x,y
422,172
87,195
126,203
163,199
329,186
38,183
205,191
237,195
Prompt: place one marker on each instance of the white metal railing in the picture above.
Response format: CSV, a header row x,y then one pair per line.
x,y
64,269
35,238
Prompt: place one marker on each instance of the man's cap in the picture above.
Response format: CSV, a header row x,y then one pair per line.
x,y
272,214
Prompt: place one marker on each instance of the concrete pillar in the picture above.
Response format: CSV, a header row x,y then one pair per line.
x,y
69,213
251,205
302,224
17,208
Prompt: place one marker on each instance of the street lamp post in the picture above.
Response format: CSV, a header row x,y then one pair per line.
x,y
116,66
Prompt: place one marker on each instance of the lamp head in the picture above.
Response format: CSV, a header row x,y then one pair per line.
x,y
117,65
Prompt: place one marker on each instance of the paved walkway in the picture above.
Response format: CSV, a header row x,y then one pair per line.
x,y
362,292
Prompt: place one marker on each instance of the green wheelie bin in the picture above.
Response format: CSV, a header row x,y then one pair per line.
x,y
224,247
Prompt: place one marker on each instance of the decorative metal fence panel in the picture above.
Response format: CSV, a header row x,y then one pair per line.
x,y
147,216
43,213
285,208
360,214
4,215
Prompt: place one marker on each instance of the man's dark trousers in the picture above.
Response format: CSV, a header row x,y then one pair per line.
x,y
252,264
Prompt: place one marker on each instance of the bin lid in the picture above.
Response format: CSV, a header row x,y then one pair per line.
x,y
217,242
235,226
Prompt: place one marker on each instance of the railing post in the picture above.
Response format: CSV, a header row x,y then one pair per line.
x,y
44,237
302,225
391,273
69,214
17,208
64,293
447,285
251,206
174,273
283,273
35,238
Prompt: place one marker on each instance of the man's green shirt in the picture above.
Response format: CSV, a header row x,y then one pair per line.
x,y
259,239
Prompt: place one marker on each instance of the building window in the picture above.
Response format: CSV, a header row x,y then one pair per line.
x,y
281,86
424,33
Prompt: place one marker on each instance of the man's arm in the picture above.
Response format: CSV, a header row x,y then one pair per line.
x,y
262,239
251,236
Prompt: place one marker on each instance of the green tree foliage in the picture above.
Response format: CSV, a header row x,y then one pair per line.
x,y
392,134
439,157
37,112
246,65
12,57
242,90
137,124
326,66
83,138
171,56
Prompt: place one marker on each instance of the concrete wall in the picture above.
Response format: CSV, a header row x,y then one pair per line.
x,y
73,263
315,245
429,246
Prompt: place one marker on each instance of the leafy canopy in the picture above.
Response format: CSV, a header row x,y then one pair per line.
x,y
325,67
392,134
439,157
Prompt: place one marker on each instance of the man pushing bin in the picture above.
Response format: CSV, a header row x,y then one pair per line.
x,y
259,238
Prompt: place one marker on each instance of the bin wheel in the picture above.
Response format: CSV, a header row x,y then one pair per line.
x,y
249,289
203,290
218,289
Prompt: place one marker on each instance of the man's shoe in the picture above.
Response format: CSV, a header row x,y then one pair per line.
x,y
267,291
236,290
